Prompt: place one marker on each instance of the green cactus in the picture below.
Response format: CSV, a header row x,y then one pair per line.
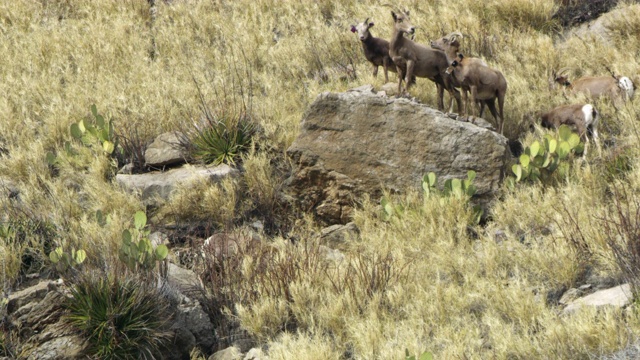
x,y
540,160
460,189
64,261
94,130
424,356
452,187
136,250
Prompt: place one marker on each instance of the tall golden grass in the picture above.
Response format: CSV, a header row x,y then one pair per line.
x,y
459,297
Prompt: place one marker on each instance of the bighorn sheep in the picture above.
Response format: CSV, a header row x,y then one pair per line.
x,y
376,50
596,86
473,75
584,117
413,59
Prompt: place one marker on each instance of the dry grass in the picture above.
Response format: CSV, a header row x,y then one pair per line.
x,y
440,289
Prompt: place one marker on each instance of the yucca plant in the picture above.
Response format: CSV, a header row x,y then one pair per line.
x,y
222,139
121,318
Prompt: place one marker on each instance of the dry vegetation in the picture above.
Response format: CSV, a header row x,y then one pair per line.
x,y
419,281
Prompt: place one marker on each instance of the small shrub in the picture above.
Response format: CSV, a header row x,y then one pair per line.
x,y
136,251
222,139
120,318
622,230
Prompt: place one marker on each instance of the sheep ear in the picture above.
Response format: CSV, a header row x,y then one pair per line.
x,y
406,12
353,28
370,24
395,17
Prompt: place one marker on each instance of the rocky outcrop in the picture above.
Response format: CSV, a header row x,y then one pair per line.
x,y
358,142
162,183
34,314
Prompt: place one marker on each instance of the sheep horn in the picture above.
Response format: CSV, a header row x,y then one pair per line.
x,y
455,35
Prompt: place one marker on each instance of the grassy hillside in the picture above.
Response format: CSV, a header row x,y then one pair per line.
x,y
430,279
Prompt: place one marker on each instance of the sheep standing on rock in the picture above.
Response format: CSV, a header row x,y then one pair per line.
x,y
376,50
474,76
413,59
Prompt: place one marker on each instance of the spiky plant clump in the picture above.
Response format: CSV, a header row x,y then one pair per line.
x,y
222,140
121,318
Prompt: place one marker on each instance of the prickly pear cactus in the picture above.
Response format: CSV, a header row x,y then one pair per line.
x,y
541,159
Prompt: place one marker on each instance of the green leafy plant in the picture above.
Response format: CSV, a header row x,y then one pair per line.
x,y
136,250
457,188
94,130
424,356
63,260
120,318
452,187
222,140
389,209
541,159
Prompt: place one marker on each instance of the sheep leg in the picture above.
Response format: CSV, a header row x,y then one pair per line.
x,y
491,104
582,131
474,96
465,100
385,65
501,109
400,77
482,104
410,65
440,89
596,139
453,93
375,71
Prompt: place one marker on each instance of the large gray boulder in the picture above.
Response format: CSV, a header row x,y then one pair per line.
x,y
358,142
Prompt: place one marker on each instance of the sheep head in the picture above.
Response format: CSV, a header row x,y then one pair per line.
x,y
362,29
402,22
448,42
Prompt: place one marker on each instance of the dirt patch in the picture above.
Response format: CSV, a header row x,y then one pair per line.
x,y
573,13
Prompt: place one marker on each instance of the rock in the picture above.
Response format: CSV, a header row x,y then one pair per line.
x,y
255,354
390,89
337,235
35,314
569,296
192,318
127,169
159,238
228,244
184,280
357,142
30,294
230,353
332,255
165,150
619,296
599,29
64,347
161,184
